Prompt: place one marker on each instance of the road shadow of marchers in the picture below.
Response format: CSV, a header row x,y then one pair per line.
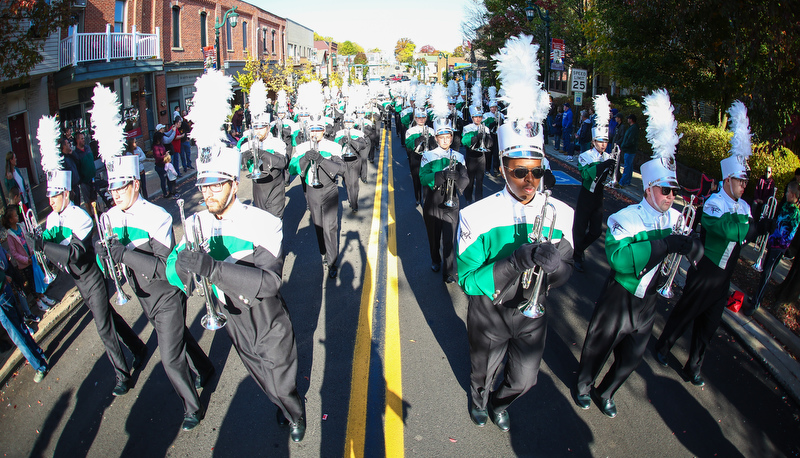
x,y
50,424
250,427
62,341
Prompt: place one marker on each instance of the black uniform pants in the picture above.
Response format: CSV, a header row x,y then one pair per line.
x,y
496,332
352,174
621,323
588,214
492,159
701,305
323,203
264,339
476,166
270,196
111,327
440,223
414,161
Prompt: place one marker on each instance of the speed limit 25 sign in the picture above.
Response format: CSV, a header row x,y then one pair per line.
x,y
579,80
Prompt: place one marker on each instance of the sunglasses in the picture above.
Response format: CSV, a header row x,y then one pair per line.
x,y
522,172
667,191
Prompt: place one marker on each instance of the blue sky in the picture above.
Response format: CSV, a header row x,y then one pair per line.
x,y
377,23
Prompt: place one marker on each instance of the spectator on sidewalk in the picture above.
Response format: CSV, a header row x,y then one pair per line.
x,y
159,153
786,224
71,164
17,281
13,177
764,189
557,129
795,245
584,135
19,332
172,176
86,170
186,145
629,147
133,149
21,254
175,146
566,131
612,126
176,115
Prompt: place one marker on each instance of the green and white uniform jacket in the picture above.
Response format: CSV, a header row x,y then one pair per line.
x,y
587,165
434,161
492,120
631,247
407,116
469,132
492,228
413,134
725,223
327,149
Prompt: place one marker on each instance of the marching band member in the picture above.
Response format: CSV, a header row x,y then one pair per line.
x,y
284,128
67,242
638,238
594,165
418,140
354,155
408,113
726,224
492,120
494,249
443,175
319,162
455,118
477,139
246,283
271,154
142,243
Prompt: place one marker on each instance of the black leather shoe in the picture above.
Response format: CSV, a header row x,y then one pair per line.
x,y
479,416
281,418
450,279
297,430
662,359
191,420
436,267
333,271
607,406
696,380
120,389
584,401
578,266
139,358
203,379
752,310
501,420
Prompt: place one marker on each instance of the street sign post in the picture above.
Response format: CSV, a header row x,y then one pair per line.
x,y
579,80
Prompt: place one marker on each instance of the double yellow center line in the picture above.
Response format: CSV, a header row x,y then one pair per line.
x,y
375,417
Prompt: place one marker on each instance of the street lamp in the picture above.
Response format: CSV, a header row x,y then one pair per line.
x,y
446,64
231,15
531,11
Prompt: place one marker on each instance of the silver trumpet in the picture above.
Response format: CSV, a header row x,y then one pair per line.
x,y
348,154
449,190
532,308
255,148
612,181
30,228
761,242
114,271
671,264
313,169
213,319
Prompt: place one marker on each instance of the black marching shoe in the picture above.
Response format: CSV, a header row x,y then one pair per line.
x,y
662,359
578,266
696,380
450,279
191,420
121,388
584,401
501,419
436,266
297,430
333,271
139,358
479,416
203,379
752,310
281,418
607,406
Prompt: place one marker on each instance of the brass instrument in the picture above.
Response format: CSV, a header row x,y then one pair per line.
x,y
347,150
612,181
671,264
532,308
30,229
313,169
482,145
114,271
761,242
213,319
449,190
255,149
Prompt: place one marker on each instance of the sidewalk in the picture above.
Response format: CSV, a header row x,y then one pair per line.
x,y
762,334
63,288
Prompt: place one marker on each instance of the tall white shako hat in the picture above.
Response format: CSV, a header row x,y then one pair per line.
x,y
282,102
522,135
216,163
736,165
109,131
58,180
477,100
452,91
602,109
441,124
462,91
420,97
662,135
310,95
492,96
258,104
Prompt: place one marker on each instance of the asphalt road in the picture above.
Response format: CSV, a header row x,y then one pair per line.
x,y
740,412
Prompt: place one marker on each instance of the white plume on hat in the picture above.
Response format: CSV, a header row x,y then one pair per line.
x,y
309,97
439,102
258,98
492,95
210,108
661,124
357,99
107,123
602,108
462,88
420,96
282,99
452,89
519,75
740,126
48,133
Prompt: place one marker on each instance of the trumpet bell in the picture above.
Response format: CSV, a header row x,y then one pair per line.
x,y
214,322
122,298
533,310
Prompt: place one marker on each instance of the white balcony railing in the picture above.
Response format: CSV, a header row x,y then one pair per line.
x,y
108,46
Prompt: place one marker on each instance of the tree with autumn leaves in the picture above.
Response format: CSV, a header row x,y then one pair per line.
x,y
24,26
